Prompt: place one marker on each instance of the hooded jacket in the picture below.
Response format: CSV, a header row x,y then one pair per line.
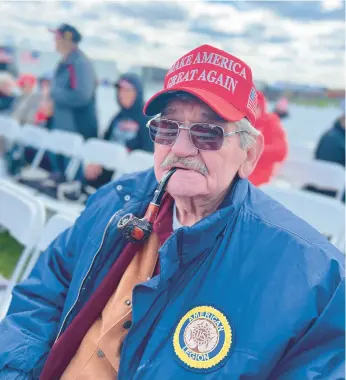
x,y
138,139
275,144
131,139
251,291
331,146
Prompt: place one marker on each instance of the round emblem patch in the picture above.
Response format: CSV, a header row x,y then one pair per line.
x,y
202,338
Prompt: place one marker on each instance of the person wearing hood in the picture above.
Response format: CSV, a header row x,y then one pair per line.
x,y
9,92
128,127
275,143
331,148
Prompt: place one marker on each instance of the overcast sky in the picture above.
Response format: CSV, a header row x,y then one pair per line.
x,y
301,41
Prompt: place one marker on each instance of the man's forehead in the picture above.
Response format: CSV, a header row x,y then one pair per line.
x,y
175,106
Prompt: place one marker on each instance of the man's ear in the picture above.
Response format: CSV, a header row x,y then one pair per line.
x,y
252,156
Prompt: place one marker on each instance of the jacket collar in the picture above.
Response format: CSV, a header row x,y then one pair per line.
x,y
187,243
201,237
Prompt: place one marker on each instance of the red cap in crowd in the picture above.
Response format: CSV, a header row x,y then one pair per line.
x,y
26,79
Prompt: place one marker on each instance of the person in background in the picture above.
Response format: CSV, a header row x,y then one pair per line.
x,y
32,107
44,114
275,143
73,90
128,127
281,107
9,92
331,147
25,107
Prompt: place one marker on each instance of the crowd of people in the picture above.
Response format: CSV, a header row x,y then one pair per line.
x,y
66,100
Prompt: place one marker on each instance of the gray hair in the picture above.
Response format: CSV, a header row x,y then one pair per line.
x,y
247,137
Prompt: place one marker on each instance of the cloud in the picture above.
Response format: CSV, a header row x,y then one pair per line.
x,y
300,11
300,41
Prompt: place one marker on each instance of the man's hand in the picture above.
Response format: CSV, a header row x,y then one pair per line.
x,y
92,171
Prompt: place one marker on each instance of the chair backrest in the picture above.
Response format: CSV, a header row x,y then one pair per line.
x,y
300,152
64,142
54,227
33,136
139,160
9,128
323,213
24,217
21,214
321,174
108,154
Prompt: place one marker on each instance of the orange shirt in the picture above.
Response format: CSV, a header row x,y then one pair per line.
x,y
98,356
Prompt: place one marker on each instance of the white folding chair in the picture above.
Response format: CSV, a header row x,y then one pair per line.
x,y
139,160
110,155
323,175
54,206
323,213
303,151
67,144
34,137
9,128
24,218
55,225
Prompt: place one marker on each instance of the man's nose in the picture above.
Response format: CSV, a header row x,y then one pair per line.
x,y
183,146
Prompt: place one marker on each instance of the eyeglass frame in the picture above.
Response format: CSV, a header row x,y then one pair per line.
x,y
182,126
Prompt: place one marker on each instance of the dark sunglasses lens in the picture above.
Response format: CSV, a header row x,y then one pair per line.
x,y
163,132
206,137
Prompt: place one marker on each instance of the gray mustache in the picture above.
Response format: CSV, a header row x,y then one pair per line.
x,y
188,162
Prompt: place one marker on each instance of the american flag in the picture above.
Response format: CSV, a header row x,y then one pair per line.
x,y
6,54
252,101
30,56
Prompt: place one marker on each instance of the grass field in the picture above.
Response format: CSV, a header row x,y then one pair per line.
x,y
9,254
321,103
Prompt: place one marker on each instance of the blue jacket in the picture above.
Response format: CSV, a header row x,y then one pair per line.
x,y
74,94
250,291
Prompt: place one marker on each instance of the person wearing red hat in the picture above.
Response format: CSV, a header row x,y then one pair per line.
x,y
275,143
25,107
186,270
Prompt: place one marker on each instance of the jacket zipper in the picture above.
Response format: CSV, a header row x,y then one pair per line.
x,y
86,275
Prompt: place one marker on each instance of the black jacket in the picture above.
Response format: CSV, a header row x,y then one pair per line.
x,y
331,146
141,139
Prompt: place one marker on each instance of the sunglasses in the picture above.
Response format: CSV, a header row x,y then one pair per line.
x,y
204,136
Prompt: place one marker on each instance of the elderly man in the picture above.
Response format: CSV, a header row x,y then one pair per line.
x,y
228,284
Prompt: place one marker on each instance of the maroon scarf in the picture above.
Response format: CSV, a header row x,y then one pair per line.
x,y
67,345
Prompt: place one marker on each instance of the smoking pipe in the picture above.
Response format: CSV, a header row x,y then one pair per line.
x,y
137,230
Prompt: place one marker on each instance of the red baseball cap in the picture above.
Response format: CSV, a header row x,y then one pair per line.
x,y
26,79
219,79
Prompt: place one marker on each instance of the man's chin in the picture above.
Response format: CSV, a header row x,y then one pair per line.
x,y
186,187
